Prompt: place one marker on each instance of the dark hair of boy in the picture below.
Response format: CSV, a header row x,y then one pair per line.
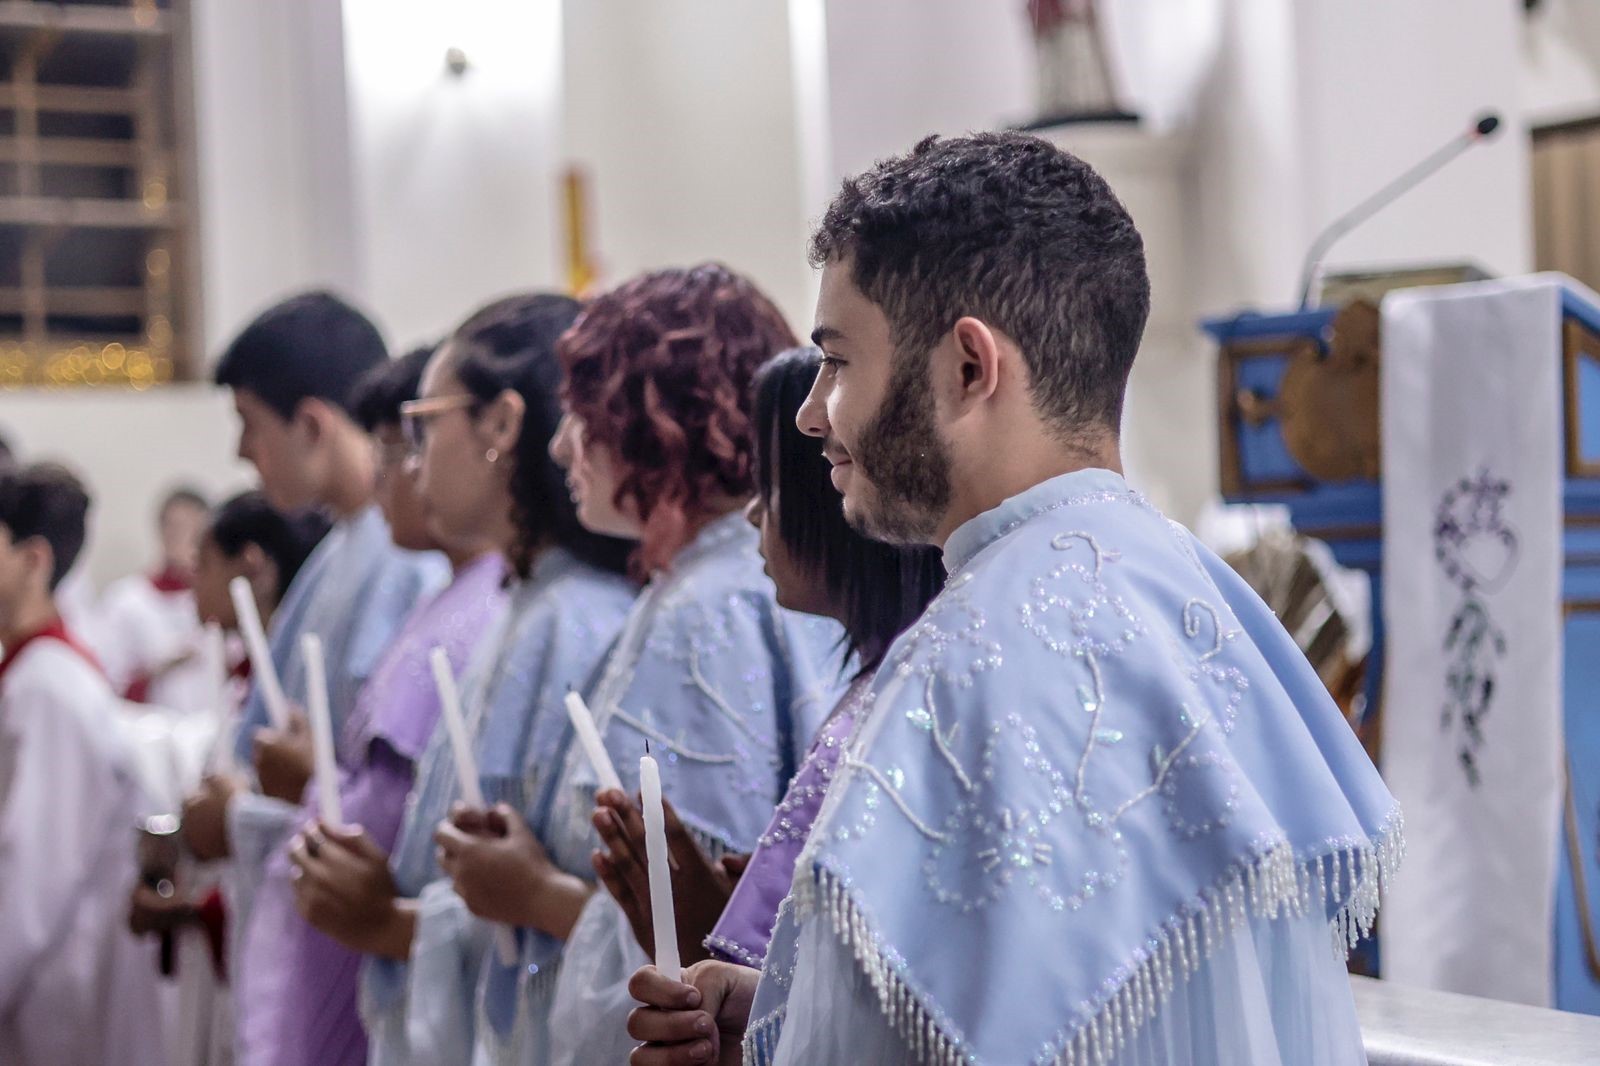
x,y
48,501
287,539
311,346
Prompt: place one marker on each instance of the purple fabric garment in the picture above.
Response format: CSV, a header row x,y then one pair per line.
x,y
296,1000
745,928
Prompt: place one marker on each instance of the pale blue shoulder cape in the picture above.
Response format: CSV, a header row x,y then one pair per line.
x,y
552,637
1094,769
728,689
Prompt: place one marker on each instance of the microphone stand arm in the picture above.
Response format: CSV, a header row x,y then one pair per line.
x,y
1372,205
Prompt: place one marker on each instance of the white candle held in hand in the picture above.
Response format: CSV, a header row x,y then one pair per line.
x,y
662,917
255,641
326,766
455,726
589,738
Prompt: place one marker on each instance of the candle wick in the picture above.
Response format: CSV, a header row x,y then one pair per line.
x,y
647,747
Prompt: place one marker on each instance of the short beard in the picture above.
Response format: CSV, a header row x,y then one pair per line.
x,y
904,461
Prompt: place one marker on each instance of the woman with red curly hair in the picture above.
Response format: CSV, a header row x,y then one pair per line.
x,y
724,686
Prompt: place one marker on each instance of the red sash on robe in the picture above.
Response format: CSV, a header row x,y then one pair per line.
x,y
55,630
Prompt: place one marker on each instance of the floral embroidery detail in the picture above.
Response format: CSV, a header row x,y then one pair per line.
x,y
986,845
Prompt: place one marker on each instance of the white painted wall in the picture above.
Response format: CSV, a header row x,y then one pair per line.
x,y
899,70
129,449
335,150
1561,61
1384,82
455,177
683,113
276,200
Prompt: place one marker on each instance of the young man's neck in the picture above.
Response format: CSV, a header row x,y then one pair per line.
x,y
352,476
1010,472
36,612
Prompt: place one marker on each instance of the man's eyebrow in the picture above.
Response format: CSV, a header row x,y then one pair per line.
x,y
823,334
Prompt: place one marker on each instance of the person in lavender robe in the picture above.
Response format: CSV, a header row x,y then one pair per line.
x,y
297,989
293,373
725,686
819,566
1099,808
481,432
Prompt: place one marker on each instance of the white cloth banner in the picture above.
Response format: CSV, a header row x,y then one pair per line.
x,y
1472,559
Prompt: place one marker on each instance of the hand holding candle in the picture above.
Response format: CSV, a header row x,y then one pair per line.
x,y
662,916
589,738
455,725
255,641
327,768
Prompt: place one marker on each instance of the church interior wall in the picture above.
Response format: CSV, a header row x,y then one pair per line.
x,y
334,150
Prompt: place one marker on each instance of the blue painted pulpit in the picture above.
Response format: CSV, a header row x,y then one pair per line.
x,y
1275,421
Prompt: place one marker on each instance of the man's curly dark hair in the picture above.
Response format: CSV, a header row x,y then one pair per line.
x,y
1009,229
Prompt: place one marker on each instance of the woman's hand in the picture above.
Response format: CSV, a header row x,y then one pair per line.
x,y
700,887
343,888
503,873
205,816
283,760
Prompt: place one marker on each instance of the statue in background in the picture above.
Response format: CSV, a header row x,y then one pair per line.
x,y
1074,74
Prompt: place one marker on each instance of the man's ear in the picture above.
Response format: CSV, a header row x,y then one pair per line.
x,y
39,558
976,361
316,419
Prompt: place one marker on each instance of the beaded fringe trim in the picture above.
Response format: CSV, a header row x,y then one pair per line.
x,y
761,1039
1349,882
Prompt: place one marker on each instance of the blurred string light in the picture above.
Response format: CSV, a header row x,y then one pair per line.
x,y
114,365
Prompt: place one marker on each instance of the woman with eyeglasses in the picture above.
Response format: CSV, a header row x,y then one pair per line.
x,y
297,988
479,436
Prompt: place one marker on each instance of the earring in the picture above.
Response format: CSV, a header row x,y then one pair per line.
x,y
492,454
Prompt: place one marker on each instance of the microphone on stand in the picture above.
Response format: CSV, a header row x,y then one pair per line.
x,y
1476,133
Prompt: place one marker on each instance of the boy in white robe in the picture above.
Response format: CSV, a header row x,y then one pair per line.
x,y
75,986
146,632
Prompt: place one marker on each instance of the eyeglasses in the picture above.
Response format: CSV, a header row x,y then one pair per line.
x,y
414,416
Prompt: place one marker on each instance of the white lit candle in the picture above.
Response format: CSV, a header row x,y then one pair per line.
x,y
655,850
455,726
255,642
326,768
589,738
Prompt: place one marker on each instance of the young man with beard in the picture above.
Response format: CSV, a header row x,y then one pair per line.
x,y
1101,809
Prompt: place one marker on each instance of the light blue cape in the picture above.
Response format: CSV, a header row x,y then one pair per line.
x,y
1094,756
